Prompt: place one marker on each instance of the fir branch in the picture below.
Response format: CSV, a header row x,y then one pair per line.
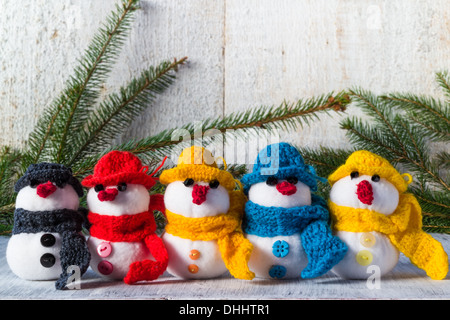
x,y
432,115
379,113
325,160
68,111
10,168
269,118
118,111
443,79
242,124
404,142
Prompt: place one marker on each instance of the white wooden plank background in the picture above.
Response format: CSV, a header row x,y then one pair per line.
x,y
404,282
242,54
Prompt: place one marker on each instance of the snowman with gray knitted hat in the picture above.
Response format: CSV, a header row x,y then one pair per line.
x,y
286,223
46,241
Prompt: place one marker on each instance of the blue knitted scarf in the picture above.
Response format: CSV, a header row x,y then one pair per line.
x,y
322,248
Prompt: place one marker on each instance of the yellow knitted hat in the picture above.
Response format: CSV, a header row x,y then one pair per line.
x,y
368,163
198,164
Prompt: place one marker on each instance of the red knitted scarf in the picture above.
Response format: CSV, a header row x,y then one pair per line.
x,y
125,228
133,228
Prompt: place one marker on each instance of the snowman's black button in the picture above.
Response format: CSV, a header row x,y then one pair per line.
x,y
48,240
48,260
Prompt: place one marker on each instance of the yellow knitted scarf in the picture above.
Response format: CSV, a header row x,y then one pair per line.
x,y
225,228
403,228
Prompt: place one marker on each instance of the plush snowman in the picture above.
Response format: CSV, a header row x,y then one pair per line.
x,y
377,219
203,236
122,241
285,222
46,241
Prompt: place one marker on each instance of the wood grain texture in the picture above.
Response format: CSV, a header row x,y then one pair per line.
x,y
404,282
242,54
298,49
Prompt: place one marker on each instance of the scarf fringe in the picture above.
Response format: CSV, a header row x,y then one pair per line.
x,y
322,248
225,228
133,228
403,228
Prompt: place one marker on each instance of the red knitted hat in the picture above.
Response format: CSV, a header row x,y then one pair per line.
x,y
116,167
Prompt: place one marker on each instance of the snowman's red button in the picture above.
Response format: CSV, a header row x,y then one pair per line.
x,y
105,267
104,249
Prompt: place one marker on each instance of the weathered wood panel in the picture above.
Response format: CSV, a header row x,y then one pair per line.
x,y
291,49
242,54
404,282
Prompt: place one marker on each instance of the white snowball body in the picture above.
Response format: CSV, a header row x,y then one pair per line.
x,y
263,259
368,252
135,199
208,261
24,250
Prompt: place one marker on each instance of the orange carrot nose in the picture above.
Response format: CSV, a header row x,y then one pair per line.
x,y
199,194
45,189
108,194
286,188
365,192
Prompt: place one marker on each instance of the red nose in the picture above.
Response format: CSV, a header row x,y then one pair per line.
x,y
108,194
199,194
365,192
286,188
45,189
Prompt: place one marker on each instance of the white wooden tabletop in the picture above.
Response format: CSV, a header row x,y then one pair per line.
x,y
404,282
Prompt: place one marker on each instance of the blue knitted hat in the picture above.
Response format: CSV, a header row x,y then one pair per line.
x,y
280,160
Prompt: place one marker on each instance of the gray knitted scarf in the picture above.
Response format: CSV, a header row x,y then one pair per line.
x,y
68,223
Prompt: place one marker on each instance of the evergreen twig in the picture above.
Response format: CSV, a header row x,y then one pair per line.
x,y
117,111
400,127
242,124
51,135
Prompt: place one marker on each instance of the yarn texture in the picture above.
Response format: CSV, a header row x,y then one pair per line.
x,y
68,223
116,167
43,172
225,228
122,226
368,163
322,248
403,227
198,164
133,228
281,161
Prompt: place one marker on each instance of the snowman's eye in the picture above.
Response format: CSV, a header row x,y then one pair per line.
x,y
122,186
375,178
188,182
98,188
354,174
34,183
214,184
61,185
271,181
292,180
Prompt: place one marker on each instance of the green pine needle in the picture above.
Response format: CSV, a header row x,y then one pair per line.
x,y
236,125
51,137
